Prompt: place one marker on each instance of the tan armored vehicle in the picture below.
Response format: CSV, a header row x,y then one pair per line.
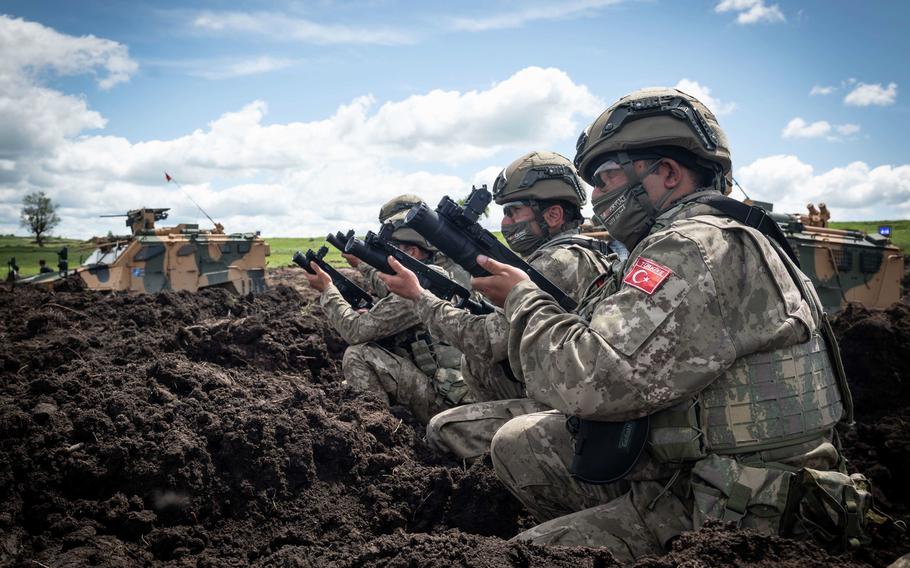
x,y
171,258
845,265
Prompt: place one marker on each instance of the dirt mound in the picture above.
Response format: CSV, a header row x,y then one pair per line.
x,y
211,429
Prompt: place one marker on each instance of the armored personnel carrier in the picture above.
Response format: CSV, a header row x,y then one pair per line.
x,y
182,257
845,265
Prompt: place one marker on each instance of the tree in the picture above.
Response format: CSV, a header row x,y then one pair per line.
x,y
39,215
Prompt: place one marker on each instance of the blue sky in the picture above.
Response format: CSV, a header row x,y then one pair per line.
x,y
296,118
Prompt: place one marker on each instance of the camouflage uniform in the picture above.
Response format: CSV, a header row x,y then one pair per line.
x,y
708,330
390,351
728,296
467,431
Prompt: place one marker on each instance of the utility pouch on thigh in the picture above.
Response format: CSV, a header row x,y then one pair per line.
x,y
832,507
751,497
606,451
451,387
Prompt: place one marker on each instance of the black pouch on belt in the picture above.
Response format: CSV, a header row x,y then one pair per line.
x,y
606,451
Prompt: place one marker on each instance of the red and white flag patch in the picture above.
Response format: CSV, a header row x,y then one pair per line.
x,y
646,275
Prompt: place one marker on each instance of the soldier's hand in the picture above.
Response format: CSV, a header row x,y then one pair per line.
x,y
319,281
403,282
352,260
500,282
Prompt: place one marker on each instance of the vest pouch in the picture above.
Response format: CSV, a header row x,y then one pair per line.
x,y
751,497
675,436
832,507
422,355
451,388
447,357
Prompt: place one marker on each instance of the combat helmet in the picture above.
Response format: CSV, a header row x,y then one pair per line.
x,y
662,121
394,211
539,176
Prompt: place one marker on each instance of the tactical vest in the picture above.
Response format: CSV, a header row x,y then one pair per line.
x,y
764,401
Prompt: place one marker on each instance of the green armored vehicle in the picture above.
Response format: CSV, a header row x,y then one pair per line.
x,y
172,258
845,265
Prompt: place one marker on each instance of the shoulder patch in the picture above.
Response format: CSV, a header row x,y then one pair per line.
x,y
646,275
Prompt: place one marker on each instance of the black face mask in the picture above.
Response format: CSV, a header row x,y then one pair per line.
x,y
522,239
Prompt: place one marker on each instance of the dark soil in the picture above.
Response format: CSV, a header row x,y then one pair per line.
x,y
212,430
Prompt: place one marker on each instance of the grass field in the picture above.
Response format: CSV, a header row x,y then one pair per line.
x,y
27,253
900,230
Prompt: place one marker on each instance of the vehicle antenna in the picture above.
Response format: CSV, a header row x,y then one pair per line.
x,y
170,179
740,188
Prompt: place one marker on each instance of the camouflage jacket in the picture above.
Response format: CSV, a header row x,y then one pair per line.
x,y
691,299
485,337
388,316
374,284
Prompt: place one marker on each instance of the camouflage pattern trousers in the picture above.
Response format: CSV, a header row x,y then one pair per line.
x,y
467,431
532,453
369,367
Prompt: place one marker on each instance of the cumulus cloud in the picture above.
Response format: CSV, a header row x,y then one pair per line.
x,y
799,128
275,25
36,118
29,47
527,14
872,94
853,192
304,178
703,93
751,11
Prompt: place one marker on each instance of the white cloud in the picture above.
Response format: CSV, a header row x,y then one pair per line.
x,y
872,94
36,118
230,69
703,94
854,192
30,47
280,26
305,178
847,129
799,128
820,90
527,14
751,11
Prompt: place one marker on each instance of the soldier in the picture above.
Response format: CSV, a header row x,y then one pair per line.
x,y
709,332
390,352
394,212
541,199
43,268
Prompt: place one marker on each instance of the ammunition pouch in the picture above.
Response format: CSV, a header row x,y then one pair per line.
x,y
830,506
833,507
450,386
604,452
751,497
429,356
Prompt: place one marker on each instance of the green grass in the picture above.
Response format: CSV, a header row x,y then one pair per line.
x,y
27,253
283,249
900,230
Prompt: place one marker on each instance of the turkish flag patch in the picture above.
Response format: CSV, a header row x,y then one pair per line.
x,y
646,275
